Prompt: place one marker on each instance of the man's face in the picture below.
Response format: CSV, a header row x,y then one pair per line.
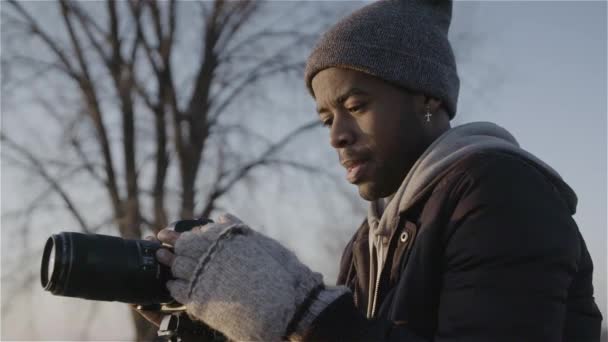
x,y
375,127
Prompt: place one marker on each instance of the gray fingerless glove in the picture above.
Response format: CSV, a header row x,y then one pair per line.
x,y
245,284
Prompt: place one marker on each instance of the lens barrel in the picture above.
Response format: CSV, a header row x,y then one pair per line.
x,y
102,267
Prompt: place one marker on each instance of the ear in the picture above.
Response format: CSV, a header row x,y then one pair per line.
x,y
433,105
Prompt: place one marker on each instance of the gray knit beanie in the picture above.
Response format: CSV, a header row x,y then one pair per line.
x,y
403,42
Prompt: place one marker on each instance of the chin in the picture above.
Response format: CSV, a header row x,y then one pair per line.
x,y
368,192
371,191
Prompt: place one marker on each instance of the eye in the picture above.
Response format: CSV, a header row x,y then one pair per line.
x,y
356,108
327,122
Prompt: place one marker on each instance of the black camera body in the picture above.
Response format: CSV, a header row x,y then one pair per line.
x,y
108,268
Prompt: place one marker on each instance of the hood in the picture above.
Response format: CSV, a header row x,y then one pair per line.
x,y
451,146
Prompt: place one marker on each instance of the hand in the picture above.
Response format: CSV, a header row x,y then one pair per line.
x,y
243,283
167,236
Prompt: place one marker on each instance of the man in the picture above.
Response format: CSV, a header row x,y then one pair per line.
x,y
468,237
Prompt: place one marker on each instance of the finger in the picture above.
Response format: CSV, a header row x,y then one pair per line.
x,y
179,290
193,244
151,238
228,218
183,267
165,257
197,228
168,236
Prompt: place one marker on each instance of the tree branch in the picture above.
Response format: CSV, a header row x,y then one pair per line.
x,y
86,162
257,74
263,159
92,101
86,22
41,170
37,31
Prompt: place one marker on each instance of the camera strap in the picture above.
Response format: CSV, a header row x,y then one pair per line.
x,y
168,329
178,327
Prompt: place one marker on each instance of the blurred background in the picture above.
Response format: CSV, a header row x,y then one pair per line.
x,y
119,117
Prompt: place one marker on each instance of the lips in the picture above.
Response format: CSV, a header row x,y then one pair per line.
x,y
355,169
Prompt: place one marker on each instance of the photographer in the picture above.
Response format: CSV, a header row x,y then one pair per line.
x,y
468,236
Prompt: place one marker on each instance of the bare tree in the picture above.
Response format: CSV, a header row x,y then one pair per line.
x,y
156,84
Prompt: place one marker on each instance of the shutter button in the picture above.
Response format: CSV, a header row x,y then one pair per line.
x,y
404,237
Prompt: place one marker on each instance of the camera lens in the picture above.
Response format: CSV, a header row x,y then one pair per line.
x,y
102,267
48,262
51,265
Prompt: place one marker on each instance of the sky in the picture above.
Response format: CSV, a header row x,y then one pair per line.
x,y
537,69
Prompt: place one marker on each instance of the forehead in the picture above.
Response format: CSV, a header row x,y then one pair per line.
x,y
332,82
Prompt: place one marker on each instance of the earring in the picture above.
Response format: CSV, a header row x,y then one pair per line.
x,y
428,113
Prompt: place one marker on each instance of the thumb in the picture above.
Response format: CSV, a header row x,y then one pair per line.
x,y
179,290
228,218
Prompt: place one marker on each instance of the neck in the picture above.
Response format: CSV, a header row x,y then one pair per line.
x,y
438,127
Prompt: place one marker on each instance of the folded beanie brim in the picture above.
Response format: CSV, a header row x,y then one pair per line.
x,y
412,72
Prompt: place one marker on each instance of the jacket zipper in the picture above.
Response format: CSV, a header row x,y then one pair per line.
x,y
379,278
377,285
372,313
375,298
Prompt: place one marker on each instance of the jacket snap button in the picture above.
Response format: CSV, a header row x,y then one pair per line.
x,y
404,237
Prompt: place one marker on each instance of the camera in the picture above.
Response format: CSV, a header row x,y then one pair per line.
x,y
108,268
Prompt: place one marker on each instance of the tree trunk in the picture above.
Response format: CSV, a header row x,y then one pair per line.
x,y
188,193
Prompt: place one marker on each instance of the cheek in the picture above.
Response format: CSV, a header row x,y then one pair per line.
x,y
385,134
389,128
376,129
396,144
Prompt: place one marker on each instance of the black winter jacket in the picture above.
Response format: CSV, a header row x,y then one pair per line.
x,y
487,252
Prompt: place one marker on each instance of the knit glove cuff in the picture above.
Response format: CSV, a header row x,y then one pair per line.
x,y
245,284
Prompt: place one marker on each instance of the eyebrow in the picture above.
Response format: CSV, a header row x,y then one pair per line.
x,y
342,98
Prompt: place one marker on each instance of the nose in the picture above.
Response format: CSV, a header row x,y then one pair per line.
x,y
341,133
